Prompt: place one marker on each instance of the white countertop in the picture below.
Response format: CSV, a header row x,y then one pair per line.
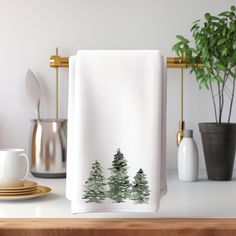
x,y
183,199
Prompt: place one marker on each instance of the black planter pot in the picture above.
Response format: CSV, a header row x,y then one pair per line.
x,y
219,143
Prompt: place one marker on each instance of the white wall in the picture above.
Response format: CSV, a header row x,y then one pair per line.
x,y
31,29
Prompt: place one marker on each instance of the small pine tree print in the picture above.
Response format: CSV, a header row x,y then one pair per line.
x,y
140,190
95,185
118,182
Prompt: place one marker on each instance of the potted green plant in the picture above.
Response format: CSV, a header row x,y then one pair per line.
x,y
211,56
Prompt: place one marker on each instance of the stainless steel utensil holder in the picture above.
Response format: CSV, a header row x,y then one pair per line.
x,y
47,149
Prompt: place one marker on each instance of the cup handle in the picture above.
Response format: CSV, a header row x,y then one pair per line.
x,y
28,165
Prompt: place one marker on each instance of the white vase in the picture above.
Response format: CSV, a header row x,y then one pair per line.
x,y
188,158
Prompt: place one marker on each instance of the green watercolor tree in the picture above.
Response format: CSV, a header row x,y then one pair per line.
x,y
94,190
118,182
140,191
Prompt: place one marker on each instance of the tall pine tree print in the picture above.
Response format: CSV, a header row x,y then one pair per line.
x,y
95,185
140,190
118,182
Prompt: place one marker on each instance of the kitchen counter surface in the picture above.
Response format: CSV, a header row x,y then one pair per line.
x,y
204,199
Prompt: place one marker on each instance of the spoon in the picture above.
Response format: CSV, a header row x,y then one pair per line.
x,y
32,87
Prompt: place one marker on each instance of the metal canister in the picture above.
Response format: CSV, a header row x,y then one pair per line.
x,y
48,141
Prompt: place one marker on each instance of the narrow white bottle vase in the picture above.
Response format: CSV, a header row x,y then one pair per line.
x,y
188,158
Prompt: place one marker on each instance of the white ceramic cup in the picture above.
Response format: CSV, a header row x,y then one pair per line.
x,y
14,167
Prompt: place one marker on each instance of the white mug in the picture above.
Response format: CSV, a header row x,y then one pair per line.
x,y
14,167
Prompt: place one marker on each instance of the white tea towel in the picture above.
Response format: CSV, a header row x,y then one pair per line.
x,y
70,149
116,130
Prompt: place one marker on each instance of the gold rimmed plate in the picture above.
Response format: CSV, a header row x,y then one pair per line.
x,y
19,191
41,191
26,185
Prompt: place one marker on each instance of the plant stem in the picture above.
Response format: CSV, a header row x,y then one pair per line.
x,y
232,98
219,96
222,92
214,102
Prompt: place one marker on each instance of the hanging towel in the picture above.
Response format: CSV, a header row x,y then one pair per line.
x,y
70,124
116,130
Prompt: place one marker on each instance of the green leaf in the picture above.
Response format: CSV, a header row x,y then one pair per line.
x,y
225,14
221,41
175,47
203,83
234,58
233,8
218,78
193,50
196,21
178,49
224,51
207,64
233,27
207,16
194,27
182,38
214,18
234,45
220,66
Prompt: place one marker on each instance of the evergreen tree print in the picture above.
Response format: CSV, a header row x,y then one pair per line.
x,y
140,190
95,185
118,182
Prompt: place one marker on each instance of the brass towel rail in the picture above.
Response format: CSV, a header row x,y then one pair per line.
x,y
172,62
